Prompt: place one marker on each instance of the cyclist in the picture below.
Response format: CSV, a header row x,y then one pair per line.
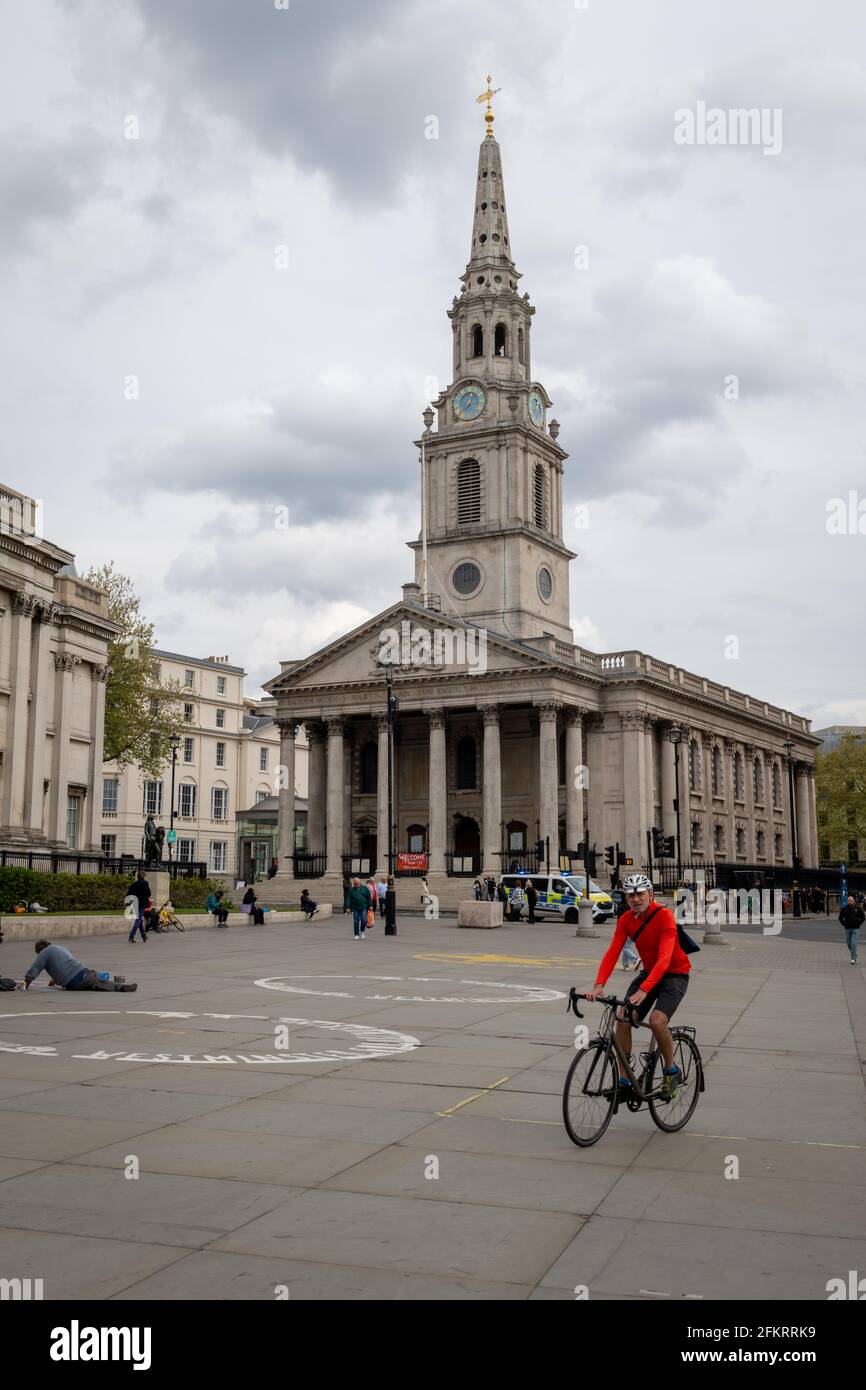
x,y
661,983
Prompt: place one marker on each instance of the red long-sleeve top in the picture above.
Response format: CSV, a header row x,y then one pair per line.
x,y
657,945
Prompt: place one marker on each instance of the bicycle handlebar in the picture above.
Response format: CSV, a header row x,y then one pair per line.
x,y
609,1000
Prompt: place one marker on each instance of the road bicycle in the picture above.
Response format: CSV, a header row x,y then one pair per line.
x,y
168,918
592,1093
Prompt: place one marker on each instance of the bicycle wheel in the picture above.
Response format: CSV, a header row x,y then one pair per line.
x,y
589,1094
178,924
671,1115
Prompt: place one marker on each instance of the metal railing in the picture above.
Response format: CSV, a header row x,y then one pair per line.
x,y
56,862
459,865
309,863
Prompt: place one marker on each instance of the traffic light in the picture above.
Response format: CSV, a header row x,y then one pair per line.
x,y
539,849
623,859
610,854
591,856
658,841
798,864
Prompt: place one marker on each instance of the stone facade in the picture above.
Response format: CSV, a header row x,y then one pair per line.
x,y
228,760
506,732
54,635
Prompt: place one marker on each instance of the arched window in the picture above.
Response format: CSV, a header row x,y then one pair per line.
x,y
369,767
694,766
540,496
761,844
777,786
759,781
738,776
478,341
466,764
468,492
717,770
500,341
718,839
520,347
415,839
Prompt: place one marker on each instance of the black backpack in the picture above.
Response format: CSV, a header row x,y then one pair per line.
x,y
687,944
6,983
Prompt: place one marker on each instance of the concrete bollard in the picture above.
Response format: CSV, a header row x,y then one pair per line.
x,y
585,925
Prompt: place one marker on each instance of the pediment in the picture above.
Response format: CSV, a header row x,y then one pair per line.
x,y
412,641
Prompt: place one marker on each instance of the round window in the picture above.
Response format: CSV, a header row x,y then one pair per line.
x,y
466,578
545,584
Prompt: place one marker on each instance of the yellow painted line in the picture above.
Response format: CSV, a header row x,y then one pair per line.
x,y
465,958
767,1139
459,1106
513,1120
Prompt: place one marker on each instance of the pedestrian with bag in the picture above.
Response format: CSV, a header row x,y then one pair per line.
x,y
140,891
360,903
257,916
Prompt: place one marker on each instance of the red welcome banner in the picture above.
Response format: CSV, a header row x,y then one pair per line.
x,y
412,861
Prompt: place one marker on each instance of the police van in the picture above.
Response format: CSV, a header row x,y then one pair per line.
x,y
559,894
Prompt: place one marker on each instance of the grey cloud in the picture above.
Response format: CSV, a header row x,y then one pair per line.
x,y
44,183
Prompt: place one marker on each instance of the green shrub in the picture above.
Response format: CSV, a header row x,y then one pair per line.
x,y
88,892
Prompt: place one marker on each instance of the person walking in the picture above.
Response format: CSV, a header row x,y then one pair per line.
x,y
531,900
140,890
515,902
382,889
491,889
374,901
852,918
360,904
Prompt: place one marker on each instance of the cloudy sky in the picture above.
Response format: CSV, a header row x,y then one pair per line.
x,y
228,245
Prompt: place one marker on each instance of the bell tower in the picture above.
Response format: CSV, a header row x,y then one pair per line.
x,y
493,465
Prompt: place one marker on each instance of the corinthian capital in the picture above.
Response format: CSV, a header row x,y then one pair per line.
x,y
65,661
633,719
548,709
490,714
24,605
100,673
436,718
286,727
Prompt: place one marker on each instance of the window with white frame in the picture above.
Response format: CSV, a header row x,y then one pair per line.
x,y
221,685
73,816
220,718
218,856
187,799
152,798
109,796
261,796
219,803
108,845
188,713
189,679
263,759
188,750
185,850
220,755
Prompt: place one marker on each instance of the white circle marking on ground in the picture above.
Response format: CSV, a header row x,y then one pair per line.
x,y
370,1042
514,993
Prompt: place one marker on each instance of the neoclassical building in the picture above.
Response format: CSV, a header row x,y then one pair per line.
x,y
506,731
54,635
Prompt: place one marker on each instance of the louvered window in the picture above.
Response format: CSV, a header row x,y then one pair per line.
x,y
540,496
468,492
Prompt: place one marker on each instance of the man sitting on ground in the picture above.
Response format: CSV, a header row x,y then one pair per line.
x,y
68,973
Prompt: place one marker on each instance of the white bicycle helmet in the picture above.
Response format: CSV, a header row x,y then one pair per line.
x,y
636,883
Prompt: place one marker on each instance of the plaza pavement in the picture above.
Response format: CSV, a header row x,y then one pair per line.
x,y
309,1177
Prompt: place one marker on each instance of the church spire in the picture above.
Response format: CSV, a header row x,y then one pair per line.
x,y
490,251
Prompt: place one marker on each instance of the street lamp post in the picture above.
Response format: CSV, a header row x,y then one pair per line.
x,y
174,742
795,857
675,735
391,894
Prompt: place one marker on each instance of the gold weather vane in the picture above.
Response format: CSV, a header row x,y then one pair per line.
x,y
488,97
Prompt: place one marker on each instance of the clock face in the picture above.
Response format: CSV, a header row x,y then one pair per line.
x,y
469,401
536,408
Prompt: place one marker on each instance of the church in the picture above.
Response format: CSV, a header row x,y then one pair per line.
x,y
508,742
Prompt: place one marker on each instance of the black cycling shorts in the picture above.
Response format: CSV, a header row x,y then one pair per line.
x,y
666,996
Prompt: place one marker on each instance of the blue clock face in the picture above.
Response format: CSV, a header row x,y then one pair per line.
x,y
536,408
469,401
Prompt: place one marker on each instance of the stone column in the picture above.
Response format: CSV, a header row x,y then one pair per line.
x,y
65,664
685,796
707,793
802,793
749,755
814,857
348,783
335,828
634,783
14,772
37,742
649,779
492,861
728,749
98,679
669,819
437,772
548,798
317,789
575,776
382,794
594,757
286,796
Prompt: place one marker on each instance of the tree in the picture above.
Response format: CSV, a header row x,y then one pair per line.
x,y
141,713
840,794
